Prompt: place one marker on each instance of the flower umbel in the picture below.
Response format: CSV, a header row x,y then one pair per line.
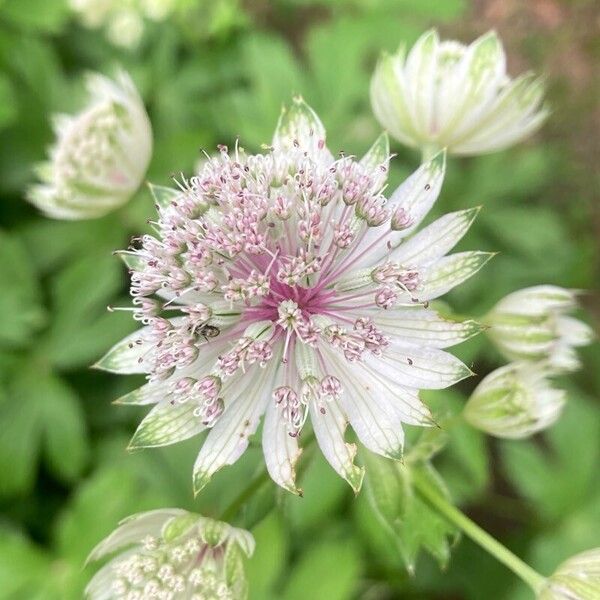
x,y
514,401
533,324
100,156
296,291
444,94
171,554
578,578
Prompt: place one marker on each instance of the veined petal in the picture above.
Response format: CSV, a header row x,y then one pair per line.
x,y
418,367
133,529
167,424
415,196
229,438
450,271
280,449
389,98
329,427
377,160
149,393
420,71
133,354
299,126
426,327
376,421
163,196
435,240
508,117
484,65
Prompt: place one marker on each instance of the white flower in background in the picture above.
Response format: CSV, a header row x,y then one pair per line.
x,y
443,94
514,401
578,578
171,554
532,324
123,19
285,284
100,156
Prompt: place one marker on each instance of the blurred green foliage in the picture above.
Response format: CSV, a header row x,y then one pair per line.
x,y
208,74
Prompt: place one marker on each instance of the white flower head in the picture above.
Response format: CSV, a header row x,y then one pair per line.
x,y
578,578
100,156
515,401
172,554
533,324
286,285
444,94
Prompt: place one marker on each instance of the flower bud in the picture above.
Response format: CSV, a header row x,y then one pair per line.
x,y
578,578
171,553
100,156
514,401
443,94
531,324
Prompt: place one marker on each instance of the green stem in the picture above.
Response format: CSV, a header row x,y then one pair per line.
x,y
531,577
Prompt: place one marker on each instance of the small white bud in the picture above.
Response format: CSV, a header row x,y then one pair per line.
x,y
531,324
514,401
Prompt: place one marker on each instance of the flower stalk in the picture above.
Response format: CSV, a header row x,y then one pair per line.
x,y
481,537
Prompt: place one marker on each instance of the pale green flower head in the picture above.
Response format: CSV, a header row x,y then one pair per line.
x,y
533,324
578,578
100,156
171,554
514,401
444,94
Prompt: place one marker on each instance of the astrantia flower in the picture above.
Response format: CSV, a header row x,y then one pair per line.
x,y
514,401
444,94
578,578
296,291
171,554
532,324
100,156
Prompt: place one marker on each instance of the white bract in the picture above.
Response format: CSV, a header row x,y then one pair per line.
x,y
514,401
578,578
286,285
533,324
100,156
443,94
171,554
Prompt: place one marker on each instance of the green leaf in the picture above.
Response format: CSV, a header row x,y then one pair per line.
x,y
82,329
411,525
8,102
269,559
43,15
557,480
43,413
329,569
20,310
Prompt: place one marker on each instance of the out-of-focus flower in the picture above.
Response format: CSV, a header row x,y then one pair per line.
x,y
443,94
171,554
123,19
285,284
532,324
514,401
100,156
578,578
